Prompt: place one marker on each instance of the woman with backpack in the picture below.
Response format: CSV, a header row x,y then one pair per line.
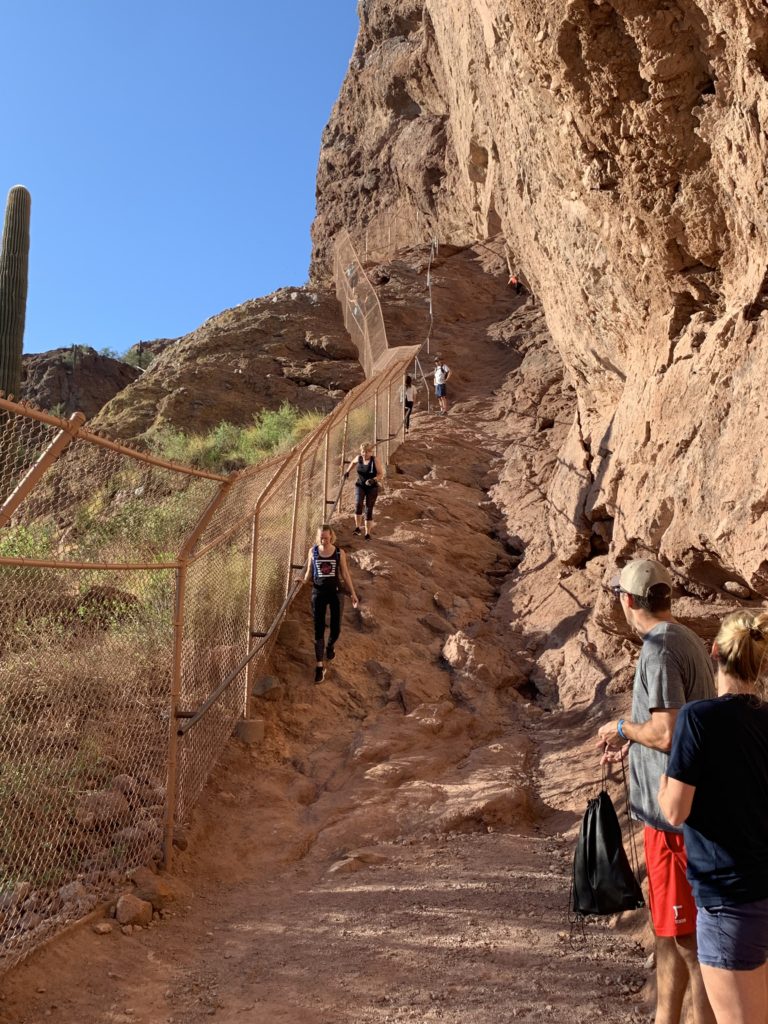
x,y
716,785
328,569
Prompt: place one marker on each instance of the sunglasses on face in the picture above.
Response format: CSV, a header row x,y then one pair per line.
x,y
617,591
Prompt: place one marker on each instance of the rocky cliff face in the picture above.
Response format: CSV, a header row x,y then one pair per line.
x,y
287,347
619,148
73,379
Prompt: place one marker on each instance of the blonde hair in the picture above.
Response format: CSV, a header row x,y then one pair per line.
x,y
366,446
742,647
320,531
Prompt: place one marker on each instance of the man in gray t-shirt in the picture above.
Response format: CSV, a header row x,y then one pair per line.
x,y
673,669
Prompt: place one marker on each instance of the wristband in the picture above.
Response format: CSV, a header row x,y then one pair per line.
x,y
620,729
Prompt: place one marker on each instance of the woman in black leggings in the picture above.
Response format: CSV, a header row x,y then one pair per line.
x,y
366,487
327,567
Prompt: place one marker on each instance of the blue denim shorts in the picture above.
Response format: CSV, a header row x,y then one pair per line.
x,y
440,390
734,937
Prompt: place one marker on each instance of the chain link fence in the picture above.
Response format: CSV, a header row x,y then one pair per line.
x,y
138,598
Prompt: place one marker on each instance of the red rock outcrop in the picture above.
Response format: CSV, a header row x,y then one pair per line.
x,y
73,379
290,346
619,148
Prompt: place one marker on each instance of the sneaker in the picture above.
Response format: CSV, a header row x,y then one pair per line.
x,y
319,674
367,536
330,652
357,531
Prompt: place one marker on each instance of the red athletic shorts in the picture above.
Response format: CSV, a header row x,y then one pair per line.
x,y
673,911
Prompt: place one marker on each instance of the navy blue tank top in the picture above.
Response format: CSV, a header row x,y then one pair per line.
x,y
325,571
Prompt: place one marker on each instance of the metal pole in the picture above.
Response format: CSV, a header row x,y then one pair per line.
x,y
389,418
252,595
172,771
376,416
343,459
326,455
294,517
35,473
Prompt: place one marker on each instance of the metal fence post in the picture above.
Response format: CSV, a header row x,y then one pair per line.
x,y
294,517
389,419
376,416
326,454
172,775
252,595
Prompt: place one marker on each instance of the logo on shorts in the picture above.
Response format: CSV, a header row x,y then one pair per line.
x,y
677,907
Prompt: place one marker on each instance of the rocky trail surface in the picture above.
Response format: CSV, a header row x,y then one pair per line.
x,y
399,847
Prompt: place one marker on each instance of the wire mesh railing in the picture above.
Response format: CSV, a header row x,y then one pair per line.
x,y
138,598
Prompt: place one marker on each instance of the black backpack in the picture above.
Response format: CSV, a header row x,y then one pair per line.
x,y
603,881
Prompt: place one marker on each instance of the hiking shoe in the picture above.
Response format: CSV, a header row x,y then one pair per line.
x,y
357,531
319,674
367,536
330,652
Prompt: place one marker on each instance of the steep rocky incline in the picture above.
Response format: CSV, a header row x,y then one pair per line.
x,y
290,346
619,148
73,379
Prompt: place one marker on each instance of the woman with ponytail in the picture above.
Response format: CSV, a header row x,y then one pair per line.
x,y
717,785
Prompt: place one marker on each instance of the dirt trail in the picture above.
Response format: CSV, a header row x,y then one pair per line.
x,y
399,847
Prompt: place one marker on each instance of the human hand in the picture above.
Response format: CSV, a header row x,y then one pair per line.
x,y
608,736
355,600
613,756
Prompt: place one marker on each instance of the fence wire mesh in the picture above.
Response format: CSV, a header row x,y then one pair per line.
x,y
101,548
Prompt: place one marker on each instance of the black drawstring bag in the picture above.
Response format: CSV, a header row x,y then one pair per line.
x,y
603,881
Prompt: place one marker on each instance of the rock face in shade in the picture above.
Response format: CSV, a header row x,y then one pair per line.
x,y
290,346
619,147
70,379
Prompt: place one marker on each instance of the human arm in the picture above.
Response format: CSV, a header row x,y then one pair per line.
x,y
377,466
656,733
308,571
675,799
347,577
349,469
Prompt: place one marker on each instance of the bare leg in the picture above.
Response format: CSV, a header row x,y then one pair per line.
x,y
671,980
702,1011
737,997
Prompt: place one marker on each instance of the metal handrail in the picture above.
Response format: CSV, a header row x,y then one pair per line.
x,y
193,717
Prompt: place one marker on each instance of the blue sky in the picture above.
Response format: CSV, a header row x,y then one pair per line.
x,y
170,148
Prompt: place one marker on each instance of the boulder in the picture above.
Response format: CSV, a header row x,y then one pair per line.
x,y
133,911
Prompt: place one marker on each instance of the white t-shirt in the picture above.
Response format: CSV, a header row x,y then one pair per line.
x,y
441,373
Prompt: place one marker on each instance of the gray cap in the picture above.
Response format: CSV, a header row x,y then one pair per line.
x,y
638,576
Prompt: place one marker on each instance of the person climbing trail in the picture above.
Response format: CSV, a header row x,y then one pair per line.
x,y
407,397
441,375
328,569
366,487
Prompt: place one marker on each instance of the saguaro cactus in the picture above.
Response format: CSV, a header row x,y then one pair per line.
x,y
14,263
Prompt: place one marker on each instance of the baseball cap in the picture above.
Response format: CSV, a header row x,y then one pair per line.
x,y
638,576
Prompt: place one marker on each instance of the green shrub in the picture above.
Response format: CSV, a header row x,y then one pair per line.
x,y
227,446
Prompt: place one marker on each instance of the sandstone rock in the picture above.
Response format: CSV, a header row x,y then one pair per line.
x,y
133,911
159,890
102,928
265,685
75,379
656,201
250,730
101,808
12,898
